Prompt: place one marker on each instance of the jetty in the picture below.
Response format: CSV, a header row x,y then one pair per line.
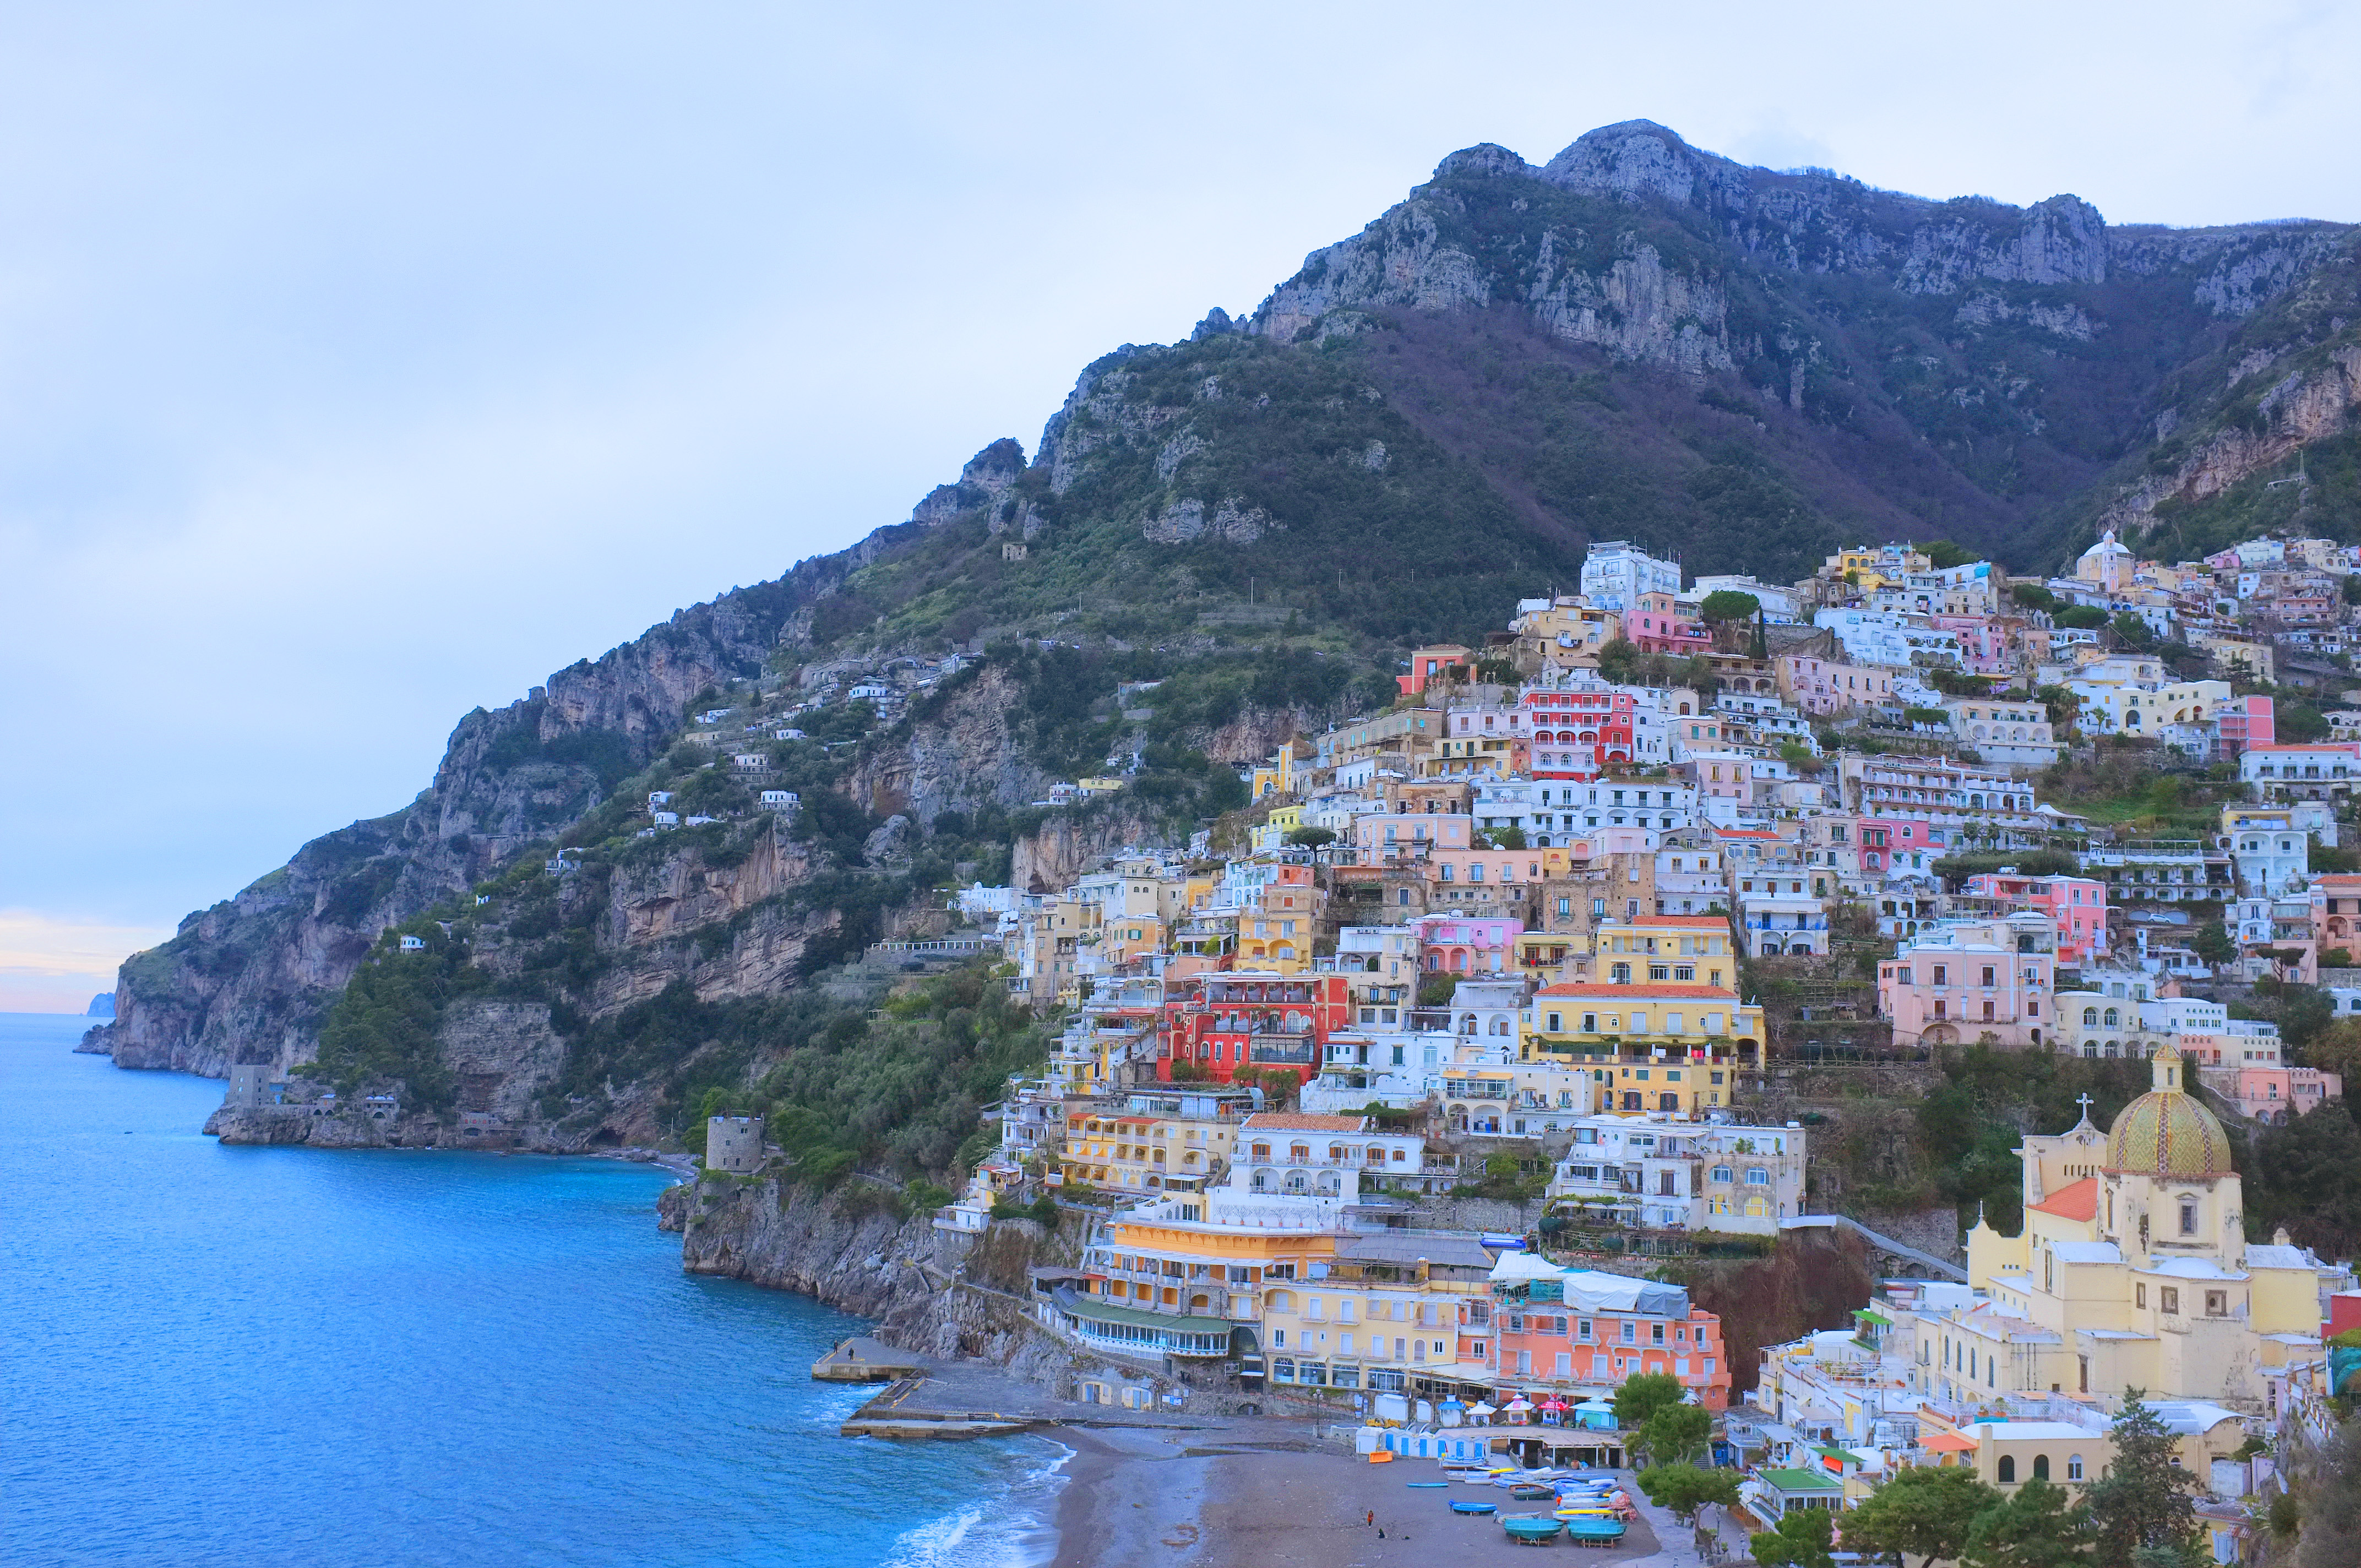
x,y
863,1360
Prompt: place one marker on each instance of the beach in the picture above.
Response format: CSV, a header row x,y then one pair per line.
x,y
1248,1495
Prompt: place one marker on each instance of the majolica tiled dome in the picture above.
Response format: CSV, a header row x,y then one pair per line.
x,y
2167,1132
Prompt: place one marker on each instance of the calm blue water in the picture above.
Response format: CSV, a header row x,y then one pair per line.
x,y
267,1356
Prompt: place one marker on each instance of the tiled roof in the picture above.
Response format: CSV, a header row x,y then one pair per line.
x,y
1643,993
1301,1121
2080,1202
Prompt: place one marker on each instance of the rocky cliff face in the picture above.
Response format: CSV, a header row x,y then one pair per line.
x,y
252,978
1431,419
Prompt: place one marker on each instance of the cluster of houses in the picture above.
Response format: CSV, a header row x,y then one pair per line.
x,y
1495,934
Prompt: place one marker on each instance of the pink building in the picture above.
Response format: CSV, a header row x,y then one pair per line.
x,y
1959,980
2246,722
2078,905
1658,626
1831,685
1485,868
1383,836
1459,944
1983,643
2272,1092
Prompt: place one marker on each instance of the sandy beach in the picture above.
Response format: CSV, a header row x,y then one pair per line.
x,y
1220,1500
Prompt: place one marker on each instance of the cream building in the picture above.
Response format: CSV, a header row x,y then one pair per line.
x,y
2132,1270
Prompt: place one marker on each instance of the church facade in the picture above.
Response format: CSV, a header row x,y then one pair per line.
x,y
2132,1270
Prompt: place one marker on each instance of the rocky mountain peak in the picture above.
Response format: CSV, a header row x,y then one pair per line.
x,y
1641,158
1483,159
983,478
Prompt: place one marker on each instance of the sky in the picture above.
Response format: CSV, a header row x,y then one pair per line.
x,y
362,365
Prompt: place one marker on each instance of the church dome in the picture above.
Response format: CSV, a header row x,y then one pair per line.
x,y
2167,1132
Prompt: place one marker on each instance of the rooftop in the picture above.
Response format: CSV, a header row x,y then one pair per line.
x,y
1303,1122
2079,1201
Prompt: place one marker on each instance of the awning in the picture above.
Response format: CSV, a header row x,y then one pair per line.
x,y
1870,1315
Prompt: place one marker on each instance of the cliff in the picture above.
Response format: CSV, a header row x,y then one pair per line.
x,y
946,1293
1223,540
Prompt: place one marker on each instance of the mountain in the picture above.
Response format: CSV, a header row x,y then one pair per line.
x,y
101,1007
1638,339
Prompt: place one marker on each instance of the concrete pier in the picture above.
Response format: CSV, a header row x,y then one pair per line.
x,y
861,1360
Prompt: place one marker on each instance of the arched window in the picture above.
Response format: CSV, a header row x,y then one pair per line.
x,y
2090,1018
2073,1467
2112,1017
2041,1467
2007,1469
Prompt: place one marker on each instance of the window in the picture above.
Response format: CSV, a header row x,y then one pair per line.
x,y
1757,1177
2007,1469
2217,1303
2041,1467
1631,1332
2073,1467
2140,1295
2169,1299
1583,1329
1942,974
2188,1218
1721,1173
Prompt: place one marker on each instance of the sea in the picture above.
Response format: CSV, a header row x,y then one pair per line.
x,y
267,1356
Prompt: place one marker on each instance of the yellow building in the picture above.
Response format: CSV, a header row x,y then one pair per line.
x,y
1171,1140
2132,1270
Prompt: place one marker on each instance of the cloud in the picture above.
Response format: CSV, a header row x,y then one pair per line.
x,y
51,963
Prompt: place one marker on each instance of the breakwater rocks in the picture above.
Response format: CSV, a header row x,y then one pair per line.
x,y
962,1295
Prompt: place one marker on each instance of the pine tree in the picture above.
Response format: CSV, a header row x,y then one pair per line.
x,y
2041,1526
1925,1511
2144,1499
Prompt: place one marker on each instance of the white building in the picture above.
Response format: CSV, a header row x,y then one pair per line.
x,y
1617,573
1660,1174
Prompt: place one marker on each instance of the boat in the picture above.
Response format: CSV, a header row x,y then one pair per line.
x,y
1461,1505
1529,1492
1381,1456
1594,1531
1531,1530
1428,1486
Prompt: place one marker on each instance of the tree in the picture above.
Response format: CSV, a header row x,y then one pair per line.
x,y
2306,1175
1641,1396
1925,1511
1800,1540
1676,1434
2041,1527
2033,596
2082,618
2336,1049
1942,555
2142,1499
2331,1518
1312,837
1510,837
2211,943
1729,604
1685,1488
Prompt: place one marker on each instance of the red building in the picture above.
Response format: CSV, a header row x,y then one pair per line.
x,y
1258,1018
1576,732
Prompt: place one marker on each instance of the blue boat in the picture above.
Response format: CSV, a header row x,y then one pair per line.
x,y
1531,1530
1429,1486
1459,1507
1593,1531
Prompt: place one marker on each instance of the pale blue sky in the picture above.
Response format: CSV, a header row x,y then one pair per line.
x,y
361,365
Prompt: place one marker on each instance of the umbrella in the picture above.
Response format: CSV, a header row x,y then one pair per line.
x,y
1553,1403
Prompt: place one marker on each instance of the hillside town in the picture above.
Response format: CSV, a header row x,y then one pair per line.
x,y
1518,930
